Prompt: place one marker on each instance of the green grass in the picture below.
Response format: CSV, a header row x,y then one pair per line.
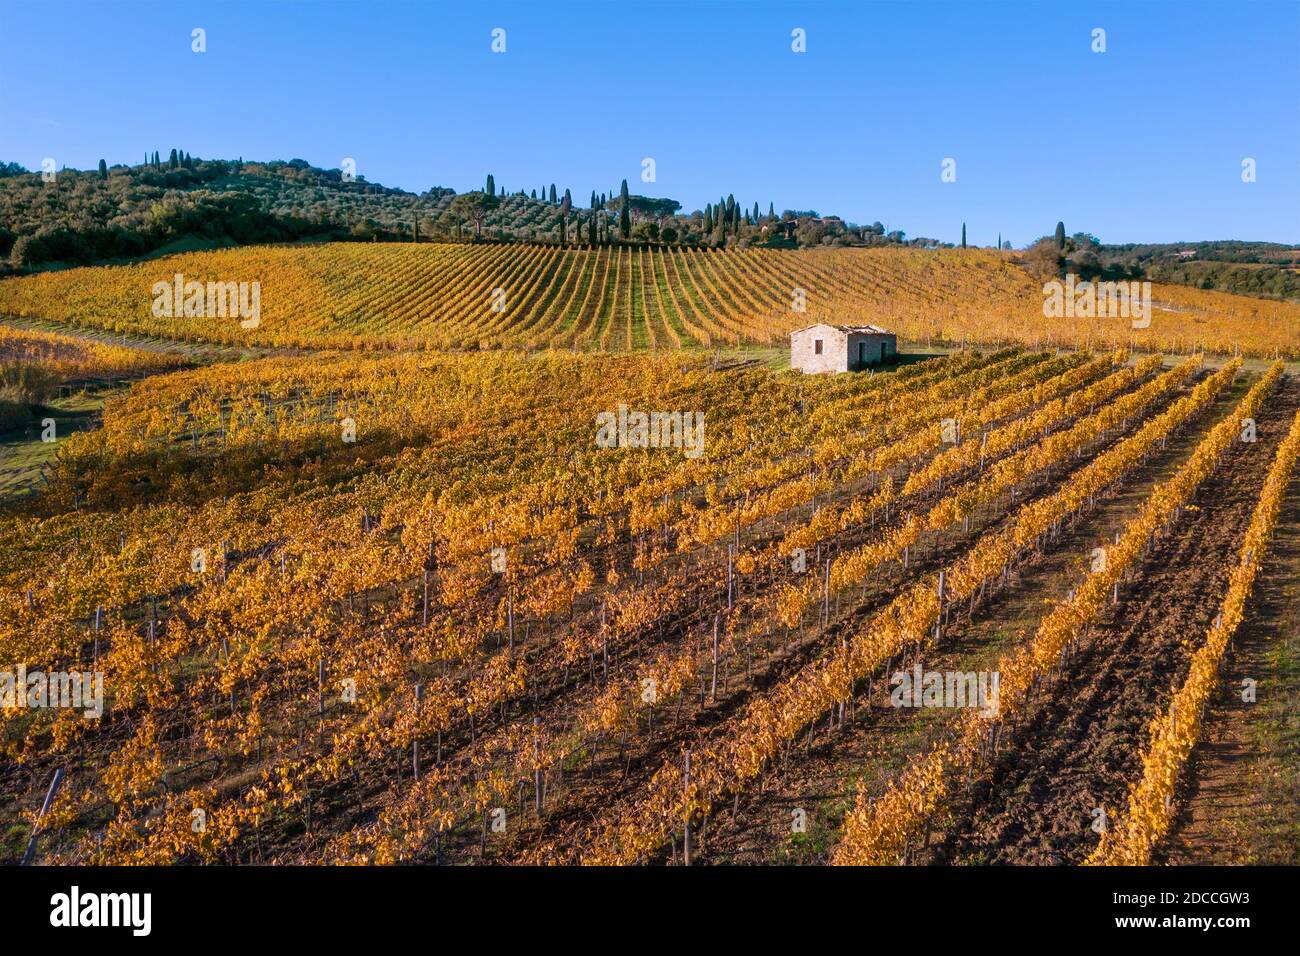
x,y
1272,831
23,454
1278,733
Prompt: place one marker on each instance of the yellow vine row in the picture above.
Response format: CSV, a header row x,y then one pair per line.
x,y
774,718
877,831
1174,734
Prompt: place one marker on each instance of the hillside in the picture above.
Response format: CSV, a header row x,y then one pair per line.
x,y
484,296
123,212
182,204
352,606
1266,269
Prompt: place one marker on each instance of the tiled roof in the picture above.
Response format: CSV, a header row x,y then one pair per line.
x,y
871,329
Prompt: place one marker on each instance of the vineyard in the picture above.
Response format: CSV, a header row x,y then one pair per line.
x,y
621,298
72,359
372,607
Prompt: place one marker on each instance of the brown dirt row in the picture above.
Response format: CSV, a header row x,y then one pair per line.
x,y
1078,746
1239,796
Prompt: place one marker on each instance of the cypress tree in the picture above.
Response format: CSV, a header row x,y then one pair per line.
x,y
552,192
708,219
963,235
757,214
771,212
534,193
491,187
1060,237
624,213
103,169
173,161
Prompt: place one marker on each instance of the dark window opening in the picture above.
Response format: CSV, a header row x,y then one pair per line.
x,y
817,346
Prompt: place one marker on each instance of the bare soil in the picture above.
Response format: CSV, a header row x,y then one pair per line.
x,y
1242,787
1078,747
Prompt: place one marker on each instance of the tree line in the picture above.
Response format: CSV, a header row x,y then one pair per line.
x,y
176,201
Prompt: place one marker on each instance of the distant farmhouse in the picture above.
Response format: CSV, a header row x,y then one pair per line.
x,y
840,348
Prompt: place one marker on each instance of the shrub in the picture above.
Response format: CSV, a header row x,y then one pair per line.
x,y
26,383
13,415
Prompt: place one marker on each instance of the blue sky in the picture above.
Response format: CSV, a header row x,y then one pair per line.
x,y
1141,143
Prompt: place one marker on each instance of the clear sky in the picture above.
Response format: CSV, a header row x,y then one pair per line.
x,y
1141,143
